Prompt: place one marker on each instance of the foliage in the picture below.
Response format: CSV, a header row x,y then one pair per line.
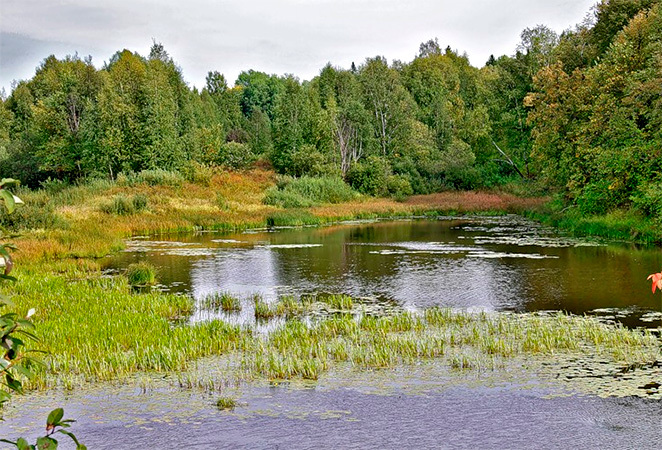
x,y
308,191
151,177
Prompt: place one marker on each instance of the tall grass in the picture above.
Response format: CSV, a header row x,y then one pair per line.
x,y
96,328
308,191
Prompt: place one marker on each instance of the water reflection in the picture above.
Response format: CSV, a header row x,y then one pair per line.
x,y
502,263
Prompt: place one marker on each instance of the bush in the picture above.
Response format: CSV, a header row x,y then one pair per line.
x,y
235,155
53,186
308,191
123,205
141,274
370,176
198,174
597,198
462,178
155,177
399,187
649,200
33,216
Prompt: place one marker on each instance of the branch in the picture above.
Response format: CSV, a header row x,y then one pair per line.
x,y
508,160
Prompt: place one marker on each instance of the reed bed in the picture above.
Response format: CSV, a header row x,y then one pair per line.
x,y
465,341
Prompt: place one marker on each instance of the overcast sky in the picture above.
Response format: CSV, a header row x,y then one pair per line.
x,y
275,36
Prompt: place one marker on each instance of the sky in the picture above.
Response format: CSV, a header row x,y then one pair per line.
x,y
274,36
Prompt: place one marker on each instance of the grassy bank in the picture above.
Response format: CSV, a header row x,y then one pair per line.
x,y
620,225
91,220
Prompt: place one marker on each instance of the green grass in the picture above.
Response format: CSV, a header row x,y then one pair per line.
x,y
262,310
465,341
307,191
292,218
141,274
96,328
221,301
622,225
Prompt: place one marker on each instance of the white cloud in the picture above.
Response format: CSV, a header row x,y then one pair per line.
x,y
276,36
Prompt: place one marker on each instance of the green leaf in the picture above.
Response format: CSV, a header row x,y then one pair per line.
x,y
8,198
20,368
9,182
4,397
55,417
14,384
25,324
73,437
46,443
22,444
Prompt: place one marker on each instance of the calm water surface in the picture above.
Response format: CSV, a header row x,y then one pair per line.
x,y
492,264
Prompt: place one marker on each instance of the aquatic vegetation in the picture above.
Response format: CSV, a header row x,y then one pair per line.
x,y
226,403
221,301
464,341
141,274
262,309
337,301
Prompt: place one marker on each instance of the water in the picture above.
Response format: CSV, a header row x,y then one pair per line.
x,y
388,410
491,264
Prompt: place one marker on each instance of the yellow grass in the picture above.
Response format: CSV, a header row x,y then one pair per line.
x,y
231,199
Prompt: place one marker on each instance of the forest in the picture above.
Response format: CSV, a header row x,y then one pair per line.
x,y
577,115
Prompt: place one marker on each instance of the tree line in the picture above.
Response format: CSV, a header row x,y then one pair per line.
x,y
579,112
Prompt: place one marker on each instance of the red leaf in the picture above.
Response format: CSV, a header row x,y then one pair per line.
x,y
657,281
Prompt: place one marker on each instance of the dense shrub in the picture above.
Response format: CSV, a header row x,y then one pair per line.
x,y
649,200
198,173
308,191
32,216
152,177
597,198
235,155
370,177
123,205
399,187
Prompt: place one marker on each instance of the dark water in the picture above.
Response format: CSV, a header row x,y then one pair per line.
x,y
501,263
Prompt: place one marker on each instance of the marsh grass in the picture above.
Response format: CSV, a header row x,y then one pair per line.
x,y
141,274
307,191
96,328
221,301
465,341
261,309
226,403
